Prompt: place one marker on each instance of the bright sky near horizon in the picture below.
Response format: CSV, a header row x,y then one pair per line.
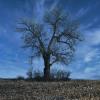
x,y
14,60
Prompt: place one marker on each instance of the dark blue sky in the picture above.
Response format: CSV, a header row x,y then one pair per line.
x,y
14,60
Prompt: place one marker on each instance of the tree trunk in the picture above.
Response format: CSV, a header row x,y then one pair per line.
x,y
47,73
47,67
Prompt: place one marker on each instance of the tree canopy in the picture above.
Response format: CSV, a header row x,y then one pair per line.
x,y
53,39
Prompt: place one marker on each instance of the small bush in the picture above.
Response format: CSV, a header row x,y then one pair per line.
x,y
38,76
54,75
60,75
20,78
68,75
30,75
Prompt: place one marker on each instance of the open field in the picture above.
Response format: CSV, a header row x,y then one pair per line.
x,y
72,90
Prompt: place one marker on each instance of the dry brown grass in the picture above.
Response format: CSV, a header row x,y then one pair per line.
x,y
72,90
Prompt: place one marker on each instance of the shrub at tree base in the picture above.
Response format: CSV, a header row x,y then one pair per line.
x,y
59,75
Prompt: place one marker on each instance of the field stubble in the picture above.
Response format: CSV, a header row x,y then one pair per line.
x,y
71,90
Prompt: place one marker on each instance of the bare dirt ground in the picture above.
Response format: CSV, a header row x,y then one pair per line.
x,y
72,90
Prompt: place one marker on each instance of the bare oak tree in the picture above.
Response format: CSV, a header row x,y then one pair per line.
x,y
53,39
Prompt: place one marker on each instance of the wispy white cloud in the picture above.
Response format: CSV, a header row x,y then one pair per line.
x,y
92,39
91,55
82,12
93,71
87,60
90,70
88,25
55,4
95,37
39,9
